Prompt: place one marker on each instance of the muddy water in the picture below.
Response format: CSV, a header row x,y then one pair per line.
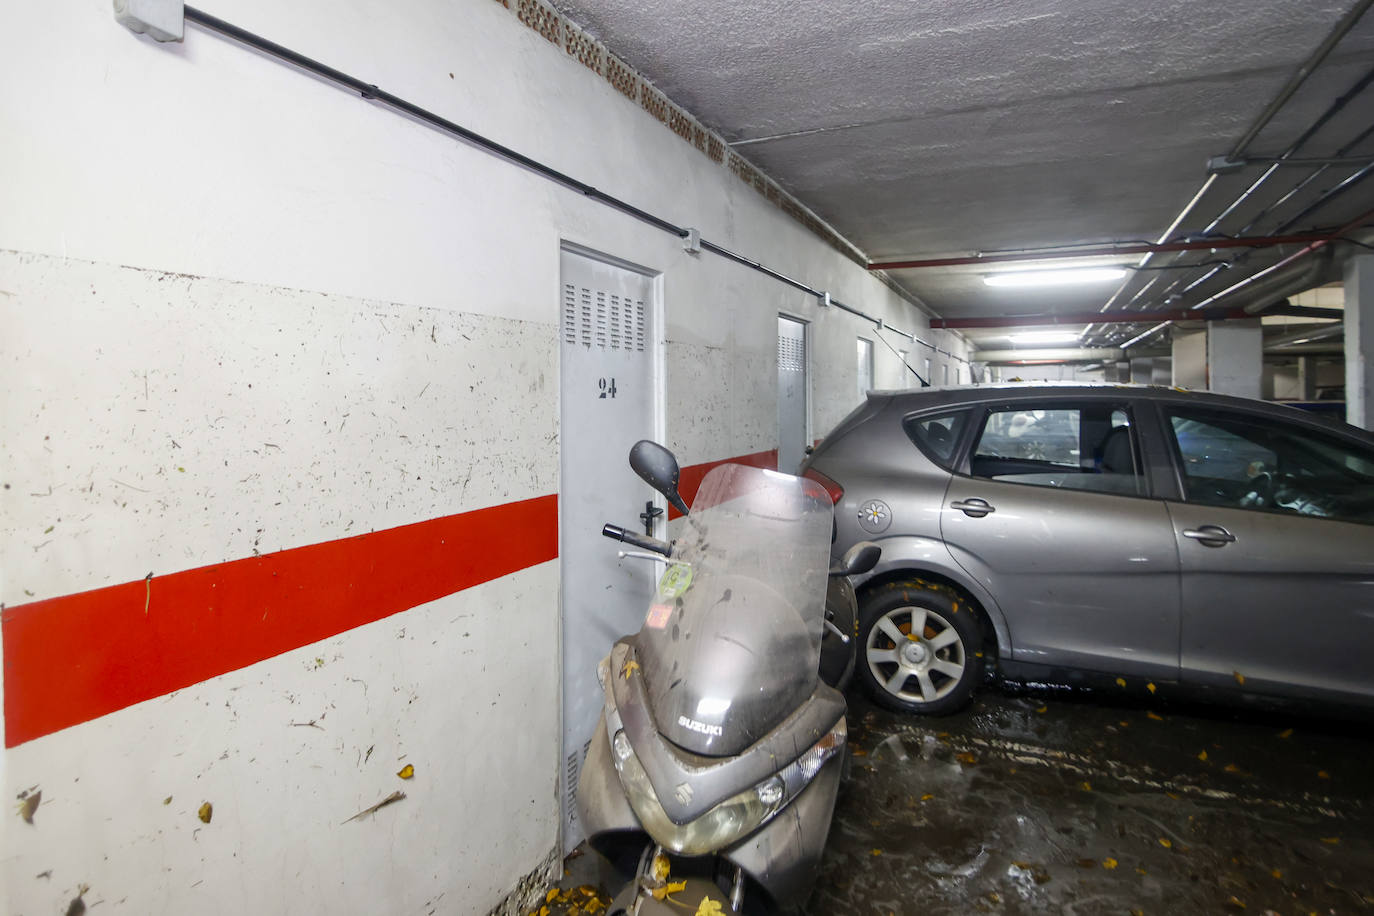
x,y
1027,804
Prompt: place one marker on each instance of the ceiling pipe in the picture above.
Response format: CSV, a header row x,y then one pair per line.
x,y
1062,254
1286,262
1300,76
1018,321
1051,354
1293,338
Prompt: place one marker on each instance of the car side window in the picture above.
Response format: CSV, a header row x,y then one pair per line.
x,y
937,436
1238,462
1088,447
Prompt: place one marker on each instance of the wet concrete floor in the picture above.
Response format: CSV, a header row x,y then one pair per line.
x,y
1055,804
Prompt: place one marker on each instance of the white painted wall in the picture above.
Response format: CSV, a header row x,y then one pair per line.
x,y
1234,357
179,222
1189,359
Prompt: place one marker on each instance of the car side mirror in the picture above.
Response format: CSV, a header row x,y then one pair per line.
x,y
858,559
658,467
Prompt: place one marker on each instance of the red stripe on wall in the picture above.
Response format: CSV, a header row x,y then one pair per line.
x,y
690,480
71,659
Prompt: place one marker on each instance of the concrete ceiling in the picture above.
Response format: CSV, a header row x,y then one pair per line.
x,y
957,127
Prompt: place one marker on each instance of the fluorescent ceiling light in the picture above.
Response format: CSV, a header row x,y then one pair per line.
x,y
1044,337
1059,277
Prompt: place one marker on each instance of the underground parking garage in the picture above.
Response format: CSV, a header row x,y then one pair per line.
x,y
327,330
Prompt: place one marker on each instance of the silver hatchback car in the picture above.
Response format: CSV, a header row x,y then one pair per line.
x,y
1131,536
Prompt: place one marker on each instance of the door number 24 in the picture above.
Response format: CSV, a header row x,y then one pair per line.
x,y
607,388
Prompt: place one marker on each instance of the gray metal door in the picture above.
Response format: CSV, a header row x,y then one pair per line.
x,y
792,393
609,402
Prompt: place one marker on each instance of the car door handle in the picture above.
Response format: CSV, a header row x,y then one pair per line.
x,y
1210,535
973,508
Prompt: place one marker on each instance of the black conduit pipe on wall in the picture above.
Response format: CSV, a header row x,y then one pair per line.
x,y
373,93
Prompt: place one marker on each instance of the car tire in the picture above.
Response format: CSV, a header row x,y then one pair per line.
x,y
933,674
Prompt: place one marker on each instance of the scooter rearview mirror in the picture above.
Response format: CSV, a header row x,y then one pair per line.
x,y
659,469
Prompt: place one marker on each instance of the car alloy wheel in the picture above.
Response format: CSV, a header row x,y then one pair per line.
x,y
920,648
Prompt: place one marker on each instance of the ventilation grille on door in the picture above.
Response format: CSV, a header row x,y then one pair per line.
x,y
594,316
791,354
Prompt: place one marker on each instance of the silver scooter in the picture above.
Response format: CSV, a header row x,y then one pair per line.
x,y
711,778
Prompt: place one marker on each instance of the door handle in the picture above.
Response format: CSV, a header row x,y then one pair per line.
x,y
973,508
1210,535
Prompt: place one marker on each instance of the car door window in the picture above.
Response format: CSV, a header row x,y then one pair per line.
x,y
1245,463
1089,447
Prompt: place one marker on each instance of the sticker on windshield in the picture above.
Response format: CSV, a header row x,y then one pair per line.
x,y
658,616
676,580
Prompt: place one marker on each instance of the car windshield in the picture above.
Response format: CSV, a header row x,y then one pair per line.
x,y
731,643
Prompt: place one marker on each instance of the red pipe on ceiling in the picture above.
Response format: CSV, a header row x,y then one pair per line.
x,y
1257,241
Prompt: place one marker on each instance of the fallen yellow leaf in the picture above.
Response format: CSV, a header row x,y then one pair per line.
x,y
1331,840
1202,756
407,771
1121,682
1124,724
1276,873
966,758
1232,768
1240,679
1286,733
660,868
206,811
628,668
1043,709
551,896
1085,786
1236,902
29,806
661,892
1166,842
1150,687
1142,871
928,796
709,907
1322,774
1109,863
1155,716
877,852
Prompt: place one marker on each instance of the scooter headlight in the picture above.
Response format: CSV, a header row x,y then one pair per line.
x,y
732,819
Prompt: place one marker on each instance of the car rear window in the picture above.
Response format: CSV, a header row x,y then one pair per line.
x,y
937,435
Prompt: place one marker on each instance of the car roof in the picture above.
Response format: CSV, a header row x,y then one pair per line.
x,y
913,399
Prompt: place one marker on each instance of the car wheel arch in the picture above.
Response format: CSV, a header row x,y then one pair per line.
x,y
995,634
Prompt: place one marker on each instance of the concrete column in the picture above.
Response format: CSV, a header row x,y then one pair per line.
x,y
1162,371
1307,378
1143,371
1359,341
1190,359
1234,357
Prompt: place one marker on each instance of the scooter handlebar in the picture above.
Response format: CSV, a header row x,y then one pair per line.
x,y
642,541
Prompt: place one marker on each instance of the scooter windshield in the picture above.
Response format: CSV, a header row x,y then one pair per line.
x,y
731,644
